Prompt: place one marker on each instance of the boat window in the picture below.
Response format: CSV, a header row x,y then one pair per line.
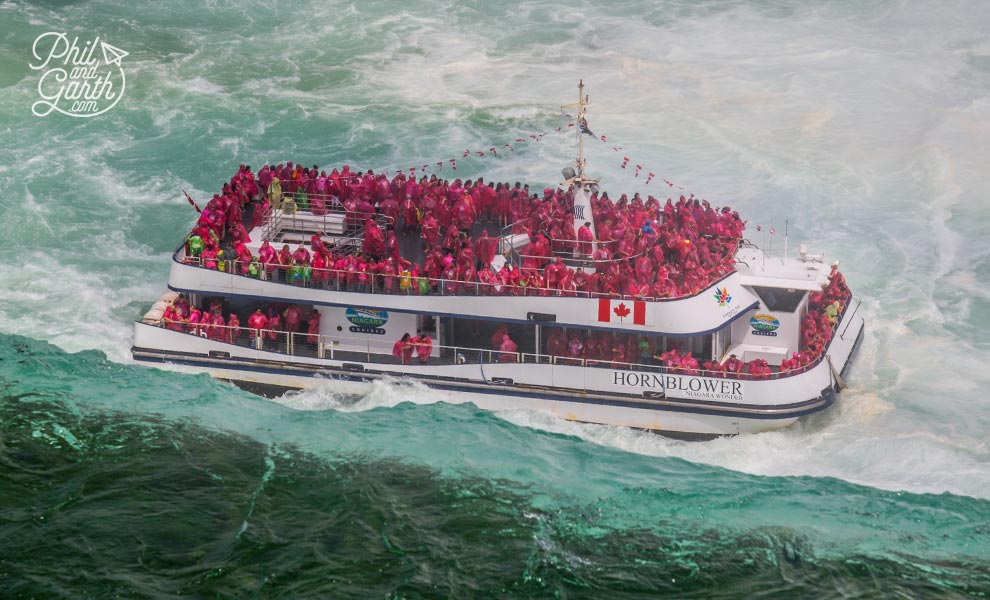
x,y
426,324
780,299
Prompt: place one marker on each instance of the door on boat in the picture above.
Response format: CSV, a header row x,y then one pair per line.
x,y
721,340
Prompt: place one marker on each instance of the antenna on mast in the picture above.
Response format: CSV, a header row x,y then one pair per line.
x,y
582,124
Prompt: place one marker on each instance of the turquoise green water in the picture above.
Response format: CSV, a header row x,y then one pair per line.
x,y
207,490
864,126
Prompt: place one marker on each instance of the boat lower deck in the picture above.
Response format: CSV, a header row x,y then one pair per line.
x,y
507,387
642,395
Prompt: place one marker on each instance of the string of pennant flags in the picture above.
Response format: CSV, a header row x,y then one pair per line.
x,y
493,151
583,129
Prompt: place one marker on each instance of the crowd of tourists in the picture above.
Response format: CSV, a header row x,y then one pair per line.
x,y
640,249
272,321
570,346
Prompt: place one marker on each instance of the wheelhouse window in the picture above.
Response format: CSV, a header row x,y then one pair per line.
x,y
780,299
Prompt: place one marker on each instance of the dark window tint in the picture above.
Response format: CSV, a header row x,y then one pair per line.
x,y
780,299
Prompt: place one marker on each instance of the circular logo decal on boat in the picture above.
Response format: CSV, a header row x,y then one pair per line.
x,y
764,325
366,320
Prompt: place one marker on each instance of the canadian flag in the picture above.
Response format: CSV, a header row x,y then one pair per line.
x,y
617,311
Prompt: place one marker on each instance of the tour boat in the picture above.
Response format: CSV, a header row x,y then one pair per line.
x,y
689,343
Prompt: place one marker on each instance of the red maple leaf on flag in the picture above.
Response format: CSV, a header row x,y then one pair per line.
x,y
621,310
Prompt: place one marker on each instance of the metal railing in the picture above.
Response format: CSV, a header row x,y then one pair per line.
x,y
377,283
508,233
344,348
334,219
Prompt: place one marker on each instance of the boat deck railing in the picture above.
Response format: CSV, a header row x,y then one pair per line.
x,y
572,259
298,219
400,284
515,236
363,350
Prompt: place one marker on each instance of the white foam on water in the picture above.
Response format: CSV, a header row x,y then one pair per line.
x,y
90,313
384,393
812,449
200,86
34,211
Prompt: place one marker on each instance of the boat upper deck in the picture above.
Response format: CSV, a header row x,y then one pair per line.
x,y
806,272
503,238
427,242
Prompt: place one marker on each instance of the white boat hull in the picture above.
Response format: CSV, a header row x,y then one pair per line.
x,y
690,406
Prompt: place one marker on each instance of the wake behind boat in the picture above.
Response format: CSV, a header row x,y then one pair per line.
x,y
627,312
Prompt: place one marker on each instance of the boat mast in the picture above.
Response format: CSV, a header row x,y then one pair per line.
x,y
582,124
581,186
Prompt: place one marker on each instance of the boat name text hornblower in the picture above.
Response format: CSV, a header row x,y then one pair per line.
x,y
692,387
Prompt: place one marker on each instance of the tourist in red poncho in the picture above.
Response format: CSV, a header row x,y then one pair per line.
x,y
244,259
619,356
487,247
293,318
301,254
557,342
424,347
585,238
313,328
497,335
508,350
554,272
392,244
193,322
373,244
233,330
430,231
172,319
218,329
268,258
575,349
274,323
403,349
258,322
734,365
283,260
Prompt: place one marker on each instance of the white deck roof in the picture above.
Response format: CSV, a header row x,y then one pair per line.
x,y
755,269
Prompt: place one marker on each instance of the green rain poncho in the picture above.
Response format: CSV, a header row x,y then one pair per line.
x,y
195,245
275,193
